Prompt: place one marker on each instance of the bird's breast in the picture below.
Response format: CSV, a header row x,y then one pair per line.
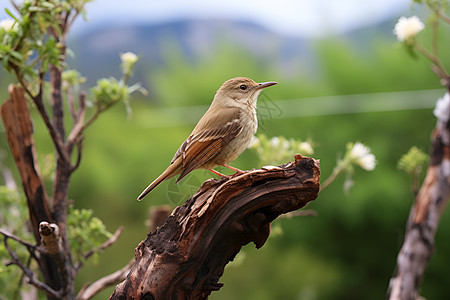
x,y
236,146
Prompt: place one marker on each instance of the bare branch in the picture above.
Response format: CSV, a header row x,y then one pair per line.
x,y
71,103
56,99
32,278
97,286
17,239
109,242
70,19
14,4
78,124
79,144
299,213
424,218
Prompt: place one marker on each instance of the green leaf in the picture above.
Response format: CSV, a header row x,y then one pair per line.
x,y
10,14
17,55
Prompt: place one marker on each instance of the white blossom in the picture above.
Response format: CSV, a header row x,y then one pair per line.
x,y
128,58
407,28
305,148
275,141
254,143
7,24
361,156
442,109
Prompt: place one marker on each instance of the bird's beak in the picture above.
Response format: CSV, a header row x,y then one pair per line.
x,y
266,84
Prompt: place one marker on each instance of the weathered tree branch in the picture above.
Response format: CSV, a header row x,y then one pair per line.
x,y
185,258
424,217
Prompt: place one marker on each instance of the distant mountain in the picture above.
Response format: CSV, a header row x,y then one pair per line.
x,y
97,51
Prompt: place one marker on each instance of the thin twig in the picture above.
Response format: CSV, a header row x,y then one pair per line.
x,y
22,276
78,124
434,40
444,17
337,170
10,235
109,242
299,213
69,22
434,59
71,103
103,246
30,274
79,144
91,119
89,291
14,4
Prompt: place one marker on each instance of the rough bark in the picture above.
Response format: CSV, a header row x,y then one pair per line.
x,y
423,220
19,132
184,258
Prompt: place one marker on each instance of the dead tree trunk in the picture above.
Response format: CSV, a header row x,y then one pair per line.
x,y
184,258
19,131
424,217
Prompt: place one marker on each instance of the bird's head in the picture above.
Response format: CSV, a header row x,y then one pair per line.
x,y
240,90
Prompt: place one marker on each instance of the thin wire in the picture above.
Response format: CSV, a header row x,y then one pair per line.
x,y
306,107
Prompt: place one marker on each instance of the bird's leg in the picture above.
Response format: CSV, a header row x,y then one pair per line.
x,y
238,171
217,173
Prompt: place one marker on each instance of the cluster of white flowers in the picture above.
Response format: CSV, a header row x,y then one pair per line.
x,y
305,148
275,142
361,156
277,150
407,28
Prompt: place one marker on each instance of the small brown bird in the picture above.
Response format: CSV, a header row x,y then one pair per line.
x,y
221,135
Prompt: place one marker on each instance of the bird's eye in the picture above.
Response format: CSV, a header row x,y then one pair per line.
x,y
243,87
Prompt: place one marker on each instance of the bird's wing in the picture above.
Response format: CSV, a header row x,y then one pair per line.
x,y
219,118
203,145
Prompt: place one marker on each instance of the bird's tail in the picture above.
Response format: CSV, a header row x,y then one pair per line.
x,y
172,170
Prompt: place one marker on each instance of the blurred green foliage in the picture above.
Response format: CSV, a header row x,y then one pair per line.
x,y
349,250
278,150
413,161
84,232
13,217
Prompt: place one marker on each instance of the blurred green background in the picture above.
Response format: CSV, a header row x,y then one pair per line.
x,y
343,88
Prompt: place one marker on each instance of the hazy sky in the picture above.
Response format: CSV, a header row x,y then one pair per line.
x,y
293,17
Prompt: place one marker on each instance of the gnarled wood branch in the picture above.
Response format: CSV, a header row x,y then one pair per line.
x,y
184,258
